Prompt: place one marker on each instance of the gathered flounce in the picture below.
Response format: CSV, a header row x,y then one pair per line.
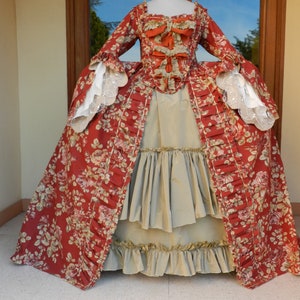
x,y
156,259
169,188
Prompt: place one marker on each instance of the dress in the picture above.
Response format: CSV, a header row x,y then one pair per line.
x,y
165,175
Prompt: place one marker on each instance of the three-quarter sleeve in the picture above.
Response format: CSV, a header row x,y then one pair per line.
x,y
108,72
243,87
121,40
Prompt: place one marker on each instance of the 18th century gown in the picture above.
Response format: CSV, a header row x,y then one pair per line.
x,y
162,171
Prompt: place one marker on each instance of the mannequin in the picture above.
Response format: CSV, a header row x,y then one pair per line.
x,y
170,8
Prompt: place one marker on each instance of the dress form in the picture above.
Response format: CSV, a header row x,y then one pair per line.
x,y
170,8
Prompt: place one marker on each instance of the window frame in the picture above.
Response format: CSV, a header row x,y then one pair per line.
x,y
272,42
272,46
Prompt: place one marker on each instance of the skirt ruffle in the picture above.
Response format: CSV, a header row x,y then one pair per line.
x,y
170,188
157,260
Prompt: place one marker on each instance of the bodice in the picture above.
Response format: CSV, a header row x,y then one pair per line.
x,y
168,46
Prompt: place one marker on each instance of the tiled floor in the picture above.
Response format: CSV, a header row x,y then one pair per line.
x,y
23,282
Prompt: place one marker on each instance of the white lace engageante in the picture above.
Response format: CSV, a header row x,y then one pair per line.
x,y
102,92
240,95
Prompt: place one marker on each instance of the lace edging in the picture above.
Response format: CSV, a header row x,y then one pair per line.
x,y
103,92
240,95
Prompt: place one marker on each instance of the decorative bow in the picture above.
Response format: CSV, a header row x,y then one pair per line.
x,y
167,29
168,58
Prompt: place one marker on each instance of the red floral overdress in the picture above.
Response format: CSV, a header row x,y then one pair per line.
x,y
74,212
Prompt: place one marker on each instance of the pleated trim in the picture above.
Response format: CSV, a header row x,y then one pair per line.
x,y
102,215
232,185
157,260
169,188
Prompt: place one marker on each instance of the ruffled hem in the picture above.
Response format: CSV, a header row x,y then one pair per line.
x,y
169,188
156,259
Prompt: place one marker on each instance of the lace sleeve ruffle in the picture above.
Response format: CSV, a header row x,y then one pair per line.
x,y
102,92
240,95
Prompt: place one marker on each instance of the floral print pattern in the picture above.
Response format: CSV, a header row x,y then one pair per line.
x,y
74,212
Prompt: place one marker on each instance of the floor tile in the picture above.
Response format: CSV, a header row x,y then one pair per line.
x,y
27,283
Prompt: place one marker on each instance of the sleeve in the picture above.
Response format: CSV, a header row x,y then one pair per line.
x,y
121,40
213,40
243,87
108,73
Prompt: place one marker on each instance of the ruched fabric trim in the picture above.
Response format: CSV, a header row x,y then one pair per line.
x,y
169,188
157,260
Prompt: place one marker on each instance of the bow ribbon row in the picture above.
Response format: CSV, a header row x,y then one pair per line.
x,y
167,30
167,59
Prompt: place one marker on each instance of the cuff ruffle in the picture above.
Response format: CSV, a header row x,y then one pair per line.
x,y
103,92
240,95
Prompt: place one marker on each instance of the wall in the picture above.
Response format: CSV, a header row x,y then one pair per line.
x,y
42,84
291,104
10,164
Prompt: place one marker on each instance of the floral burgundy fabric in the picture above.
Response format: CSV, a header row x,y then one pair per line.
x,y
74,212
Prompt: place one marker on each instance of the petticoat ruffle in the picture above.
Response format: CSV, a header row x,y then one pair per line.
x,y
157,260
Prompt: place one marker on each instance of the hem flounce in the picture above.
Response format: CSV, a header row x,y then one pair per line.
x,y
157,260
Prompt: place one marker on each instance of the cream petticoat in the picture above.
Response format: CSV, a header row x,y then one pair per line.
x,y
170,222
